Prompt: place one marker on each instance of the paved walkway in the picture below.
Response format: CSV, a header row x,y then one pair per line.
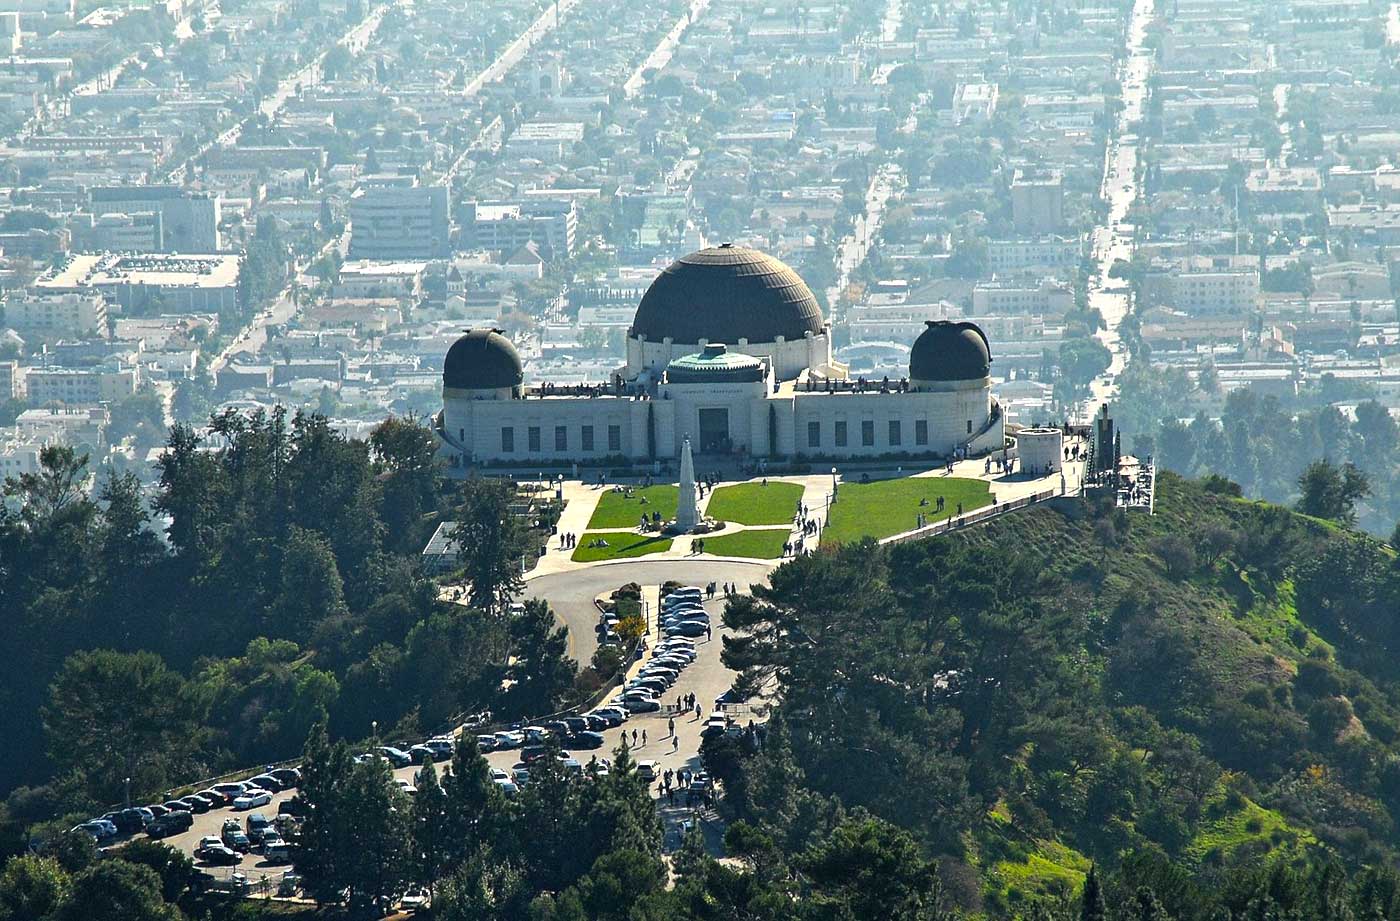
x,y
581,499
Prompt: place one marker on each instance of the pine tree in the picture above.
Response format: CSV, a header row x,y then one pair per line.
x,y
475,805
1091,907
431,828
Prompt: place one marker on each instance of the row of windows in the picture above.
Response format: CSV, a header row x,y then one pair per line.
x,y
561,439
894,433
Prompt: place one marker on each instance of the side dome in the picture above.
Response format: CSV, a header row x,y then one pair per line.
x,y
724,294
948,351
482,359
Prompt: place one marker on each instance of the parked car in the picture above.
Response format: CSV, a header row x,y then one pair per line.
x,y
415,899
129,821
219,855
421,754
576,723
442,747
258,825
214,798
487,743
615,716
235,838
510,738
156,811
647,771
172,823
532,753
266,782
195,804
558,727
640,704
596,723
688,628
99,829
295,806
252,800
656,685
586,739
287,777
397,757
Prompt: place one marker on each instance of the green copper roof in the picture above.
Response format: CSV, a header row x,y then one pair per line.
x,y
715,364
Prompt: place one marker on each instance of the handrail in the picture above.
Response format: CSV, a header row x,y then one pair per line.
x,y
976,516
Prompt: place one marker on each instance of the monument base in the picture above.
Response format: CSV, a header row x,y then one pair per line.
x,y
703,526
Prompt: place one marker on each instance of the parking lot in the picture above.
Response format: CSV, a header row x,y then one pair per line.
x,y
705,677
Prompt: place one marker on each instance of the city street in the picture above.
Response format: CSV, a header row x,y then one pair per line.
x,y
1114,239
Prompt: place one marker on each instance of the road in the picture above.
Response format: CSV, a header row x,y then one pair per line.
x,y
852,249
571,595
353,40
545,23
1113,240
661,54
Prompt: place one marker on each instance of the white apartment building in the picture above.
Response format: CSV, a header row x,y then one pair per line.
x,y
51,316
1055,253
80,386
1046,297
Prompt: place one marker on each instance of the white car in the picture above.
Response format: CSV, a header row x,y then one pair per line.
x,y
252,799
415,899
510,738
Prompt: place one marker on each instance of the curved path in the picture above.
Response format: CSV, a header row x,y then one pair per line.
x,y
571,594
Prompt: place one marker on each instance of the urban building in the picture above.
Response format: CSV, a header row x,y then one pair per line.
x,y
395,218
503,228
1038,201
189,220
51,316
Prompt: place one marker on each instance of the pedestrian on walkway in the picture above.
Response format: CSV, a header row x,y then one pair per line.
x,y
675,744
697,709
634,738
644,738
707,633
672,725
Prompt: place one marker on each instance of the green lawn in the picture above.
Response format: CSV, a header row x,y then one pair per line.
x,y
617,511
887,507
755,503
759,545
620,546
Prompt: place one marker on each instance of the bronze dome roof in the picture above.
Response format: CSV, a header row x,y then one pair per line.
x,y
948,351
724,294
482,359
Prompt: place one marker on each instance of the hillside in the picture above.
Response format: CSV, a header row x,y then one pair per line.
x,y
1209,688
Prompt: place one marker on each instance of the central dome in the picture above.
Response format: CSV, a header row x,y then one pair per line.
x,y
724,294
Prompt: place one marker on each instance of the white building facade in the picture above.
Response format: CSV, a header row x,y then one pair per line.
x,y
728,348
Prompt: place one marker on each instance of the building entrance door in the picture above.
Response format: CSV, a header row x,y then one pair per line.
x,y
714,431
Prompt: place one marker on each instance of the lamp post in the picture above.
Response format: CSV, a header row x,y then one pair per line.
x,y
833,482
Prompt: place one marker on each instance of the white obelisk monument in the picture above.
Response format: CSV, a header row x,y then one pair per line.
x,y
688,511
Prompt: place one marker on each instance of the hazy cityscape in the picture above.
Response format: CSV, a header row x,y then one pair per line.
x,y
964,434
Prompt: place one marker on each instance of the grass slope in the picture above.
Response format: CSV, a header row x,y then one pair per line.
x,y
759,545
615,510
620,546
1229,694
755,503
887,507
